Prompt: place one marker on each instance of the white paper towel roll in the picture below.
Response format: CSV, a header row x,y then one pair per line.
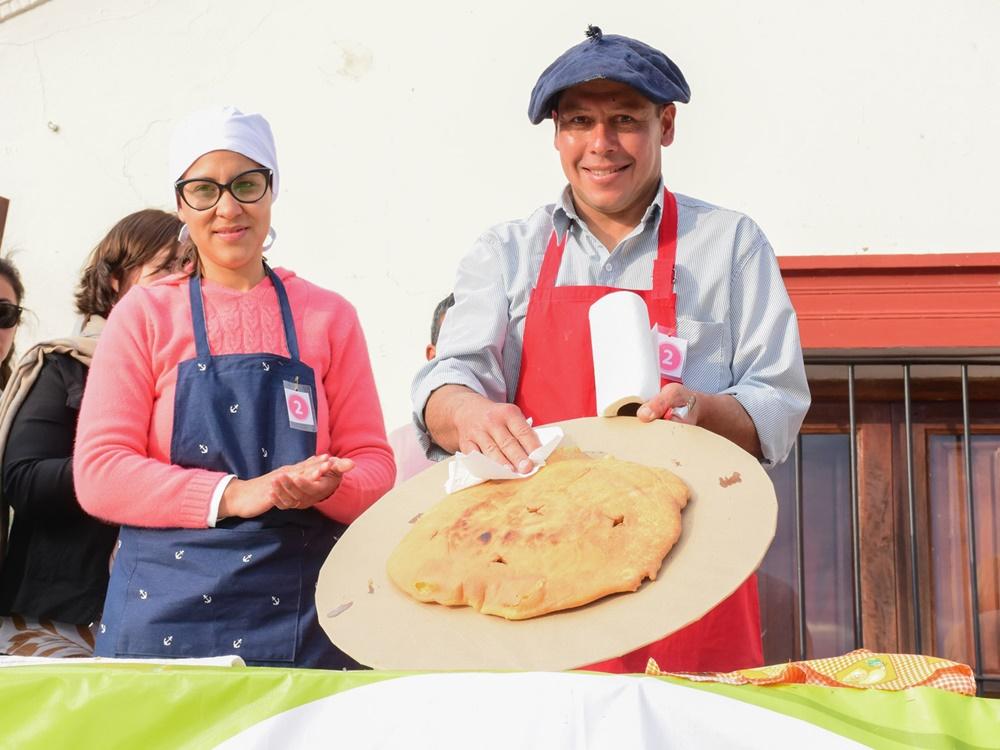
x,y
625,366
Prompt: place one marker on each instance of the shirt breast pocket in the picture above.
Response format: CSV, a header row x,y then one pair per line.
x,y
707,365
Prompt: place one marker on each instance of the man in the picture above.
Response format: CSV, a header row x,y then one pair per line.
x,y
411,458
517,343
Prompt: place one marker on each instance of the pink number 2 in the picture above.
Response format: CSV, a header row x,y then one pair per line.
x,y
669,355
298,406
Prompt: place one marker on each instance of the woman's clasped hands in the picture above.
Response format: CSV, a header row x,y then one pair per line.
x,y
294,487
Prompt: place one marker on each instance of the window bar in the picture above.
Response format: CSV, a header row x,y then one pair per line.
x,y
800,561
970,520
912,513
855,520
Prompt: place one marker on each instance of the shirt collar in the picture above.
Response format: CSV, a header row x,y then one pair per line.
x,y
564,212
655,208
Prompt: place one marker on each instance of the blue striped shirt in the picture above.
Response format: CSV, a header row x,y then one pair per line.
x,y
732,307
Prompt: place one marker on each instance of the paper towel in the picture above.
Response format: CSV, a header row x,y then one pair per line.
x,y
470,469
626,370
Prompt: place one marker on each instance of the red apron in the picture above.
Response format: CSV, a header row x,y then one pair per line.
x,y
557,383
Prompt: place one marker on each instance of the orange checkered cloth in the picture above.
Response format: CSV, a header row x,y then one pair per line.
x,y
858,669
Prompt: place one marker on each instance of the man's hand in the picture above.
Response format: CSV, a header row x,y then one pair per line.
x,y
300,485
461,420
717,412
664,404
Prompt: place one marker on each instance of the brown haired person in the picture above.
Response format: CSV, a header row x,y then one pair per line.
x,y
56,566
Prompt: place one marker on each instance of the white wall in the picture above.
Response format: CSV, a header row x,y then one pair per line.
x,y
840,127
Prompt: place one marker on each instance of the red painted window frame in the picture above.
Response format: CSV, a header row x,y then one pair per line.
x,y
934,301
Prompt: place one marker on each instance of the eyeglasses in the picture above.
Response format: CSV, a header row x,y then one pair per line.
x,y
248,187
10,314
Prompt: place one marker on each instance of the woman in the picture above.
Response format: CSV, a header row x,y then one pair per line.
x,y
231,425
11,294
56,567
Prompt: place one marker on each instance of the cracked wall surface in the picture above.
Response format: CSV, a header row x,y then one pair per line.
x,y
402,132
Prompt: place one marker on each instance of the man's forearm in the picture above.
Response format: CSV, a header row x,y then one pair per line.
x,y
440,411
724,415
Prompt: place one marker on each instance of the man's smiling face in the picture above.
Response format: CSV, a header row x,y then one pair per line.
x,y
609,138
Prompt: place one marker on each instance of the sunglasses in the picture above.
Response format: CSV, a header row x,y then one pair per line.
x,y
10,314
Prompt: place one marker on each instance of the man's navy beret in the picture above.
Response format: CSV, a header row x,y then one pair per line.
x,y
616,58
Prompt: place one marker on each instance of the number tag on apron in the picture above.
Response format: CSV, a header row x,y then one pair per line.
x,y
671,353
298,400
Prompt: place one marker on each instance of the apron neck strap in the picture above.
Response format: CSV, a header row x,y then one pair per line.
x,y
553,259
666,256
198,316
291,340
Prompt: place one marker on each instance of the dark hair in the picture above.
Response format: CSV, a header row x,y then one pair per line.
x,y
442,307
131,243
9,271
660,106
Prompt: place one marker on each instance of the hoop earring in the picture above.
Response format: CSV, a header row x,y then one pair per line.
x,y
184,235
271,237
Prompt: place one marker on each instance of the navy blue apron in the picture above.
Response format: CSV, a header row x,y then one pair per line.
x,y
246,587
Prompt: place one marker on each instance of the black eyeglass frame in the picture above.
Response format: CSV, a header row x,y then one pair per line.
x,y
18,311
227,188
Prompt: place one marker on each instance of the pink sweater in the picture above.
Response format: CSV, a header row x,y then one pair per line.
x,y
121,464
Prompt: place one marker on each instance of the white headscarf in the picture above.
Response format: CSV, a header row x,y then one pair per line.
x,y
223,129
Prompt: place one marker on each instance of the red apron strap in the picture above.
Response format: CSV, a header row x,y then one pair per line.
x,y
663,266
552,260
666,258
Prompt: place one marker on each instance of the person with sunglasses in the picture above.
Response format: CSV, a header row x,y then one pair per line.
x,y
55,573
230,425
11,293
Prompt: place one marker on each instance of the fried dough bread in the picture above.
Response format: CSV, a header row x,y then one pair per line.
x,y
579,529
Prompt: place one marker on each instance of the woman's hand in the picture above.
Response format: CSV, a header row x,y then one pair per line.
x,y
296,486
309,482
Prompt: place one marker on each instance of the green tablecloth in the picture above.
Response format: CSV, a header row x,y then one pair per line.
x,y
156,706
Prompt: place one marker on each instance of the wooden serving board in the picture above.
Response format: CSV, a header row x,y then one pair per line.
x,y
727,527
